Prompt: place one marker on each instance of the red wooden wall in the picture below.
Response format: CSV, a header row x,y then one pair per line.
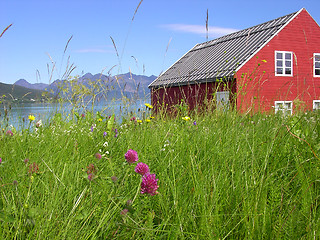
x,y
257,85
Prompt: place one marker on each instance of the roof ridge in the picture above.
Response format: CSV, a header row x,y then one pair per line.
x,y
227,37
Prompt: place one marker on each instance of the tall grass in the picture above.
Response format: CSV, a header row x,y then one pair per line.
x,y
221,176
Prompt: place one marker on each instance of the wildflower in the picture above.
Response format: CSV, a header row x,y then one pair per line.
x,y
15,182
151,117
90,177
149,184
195,123
114,179
148,120
186,118
91,169
0,160
39,124
31,118
131,156
116,133
91,129
82,115
139,121
142,168
133,119
104,134
129,202
9,132
148,105
98,155
124,212
26,160
100,119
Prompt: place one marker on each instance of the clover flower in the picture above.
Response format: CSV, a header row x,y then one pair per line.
x,y
98,156
114,179
149,184
142,168
131,156
9,132
90,177
124,212
0,160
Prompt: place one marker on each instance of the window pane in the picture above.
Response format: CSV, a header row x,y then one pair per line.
x,y
288,63
279,71
288,56
317,64
288,70
317,72
279,63
288,105
279,55
317,57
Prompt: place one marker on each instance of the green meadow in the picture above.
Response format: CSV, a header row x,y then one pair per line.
x,y
221,175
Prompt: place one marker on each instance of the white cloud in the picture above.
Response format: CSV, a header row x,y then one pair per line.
x,y
199,29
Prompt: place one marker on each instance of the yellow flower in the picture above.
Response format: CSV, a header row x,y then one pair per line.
x,y
31,117
139,121
186,118
148,120
100,120
148,105
151,117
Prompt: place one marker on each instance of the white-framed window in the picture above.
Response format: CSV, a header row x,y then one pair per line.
x,y
316,64
283,63
283,106
316,105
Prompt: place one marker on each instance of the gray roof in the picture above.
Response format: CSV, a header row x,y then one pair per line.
x,y
221,57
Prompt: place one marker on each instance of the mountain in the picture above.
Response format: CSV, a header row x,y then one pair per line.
x,y
26,84
100,85
103,86
12,92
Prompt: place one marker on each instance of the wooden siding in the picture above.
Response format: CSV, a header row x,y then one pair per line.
x,y
194,95
257,85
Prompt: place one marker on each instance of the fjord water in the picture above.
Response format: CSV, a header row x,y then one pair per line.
x,y
16,114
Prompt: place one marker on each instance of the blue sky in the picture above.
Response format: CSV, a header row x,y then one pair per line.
x,y
160,33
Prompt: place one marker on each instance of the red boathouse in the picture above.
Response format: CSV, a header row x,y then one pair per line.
x,y
274,66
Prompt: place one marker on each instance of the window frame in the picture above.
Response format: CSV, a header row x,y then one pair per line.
x,y
283,64
314,64
314,105
283,110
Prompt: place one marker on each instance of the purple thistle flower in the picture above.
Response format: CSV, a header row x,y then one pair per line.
x,y
142,168
149,184
98,155
131,156
9,132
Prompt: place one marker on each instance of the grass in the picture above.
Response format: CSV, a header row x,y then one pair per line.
x,y
221,176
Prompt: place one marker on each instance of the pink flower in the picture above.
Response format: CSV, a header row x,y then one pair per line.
x,y
98,155
142,168
131,156
0,160
124,212
90,177
9,132
149,184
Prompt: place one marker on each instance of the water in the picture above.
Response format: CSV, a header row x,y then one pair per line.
x,y
17,113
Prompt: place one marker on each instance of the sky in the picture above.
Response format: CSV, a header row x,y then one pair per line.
x,y
117,36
